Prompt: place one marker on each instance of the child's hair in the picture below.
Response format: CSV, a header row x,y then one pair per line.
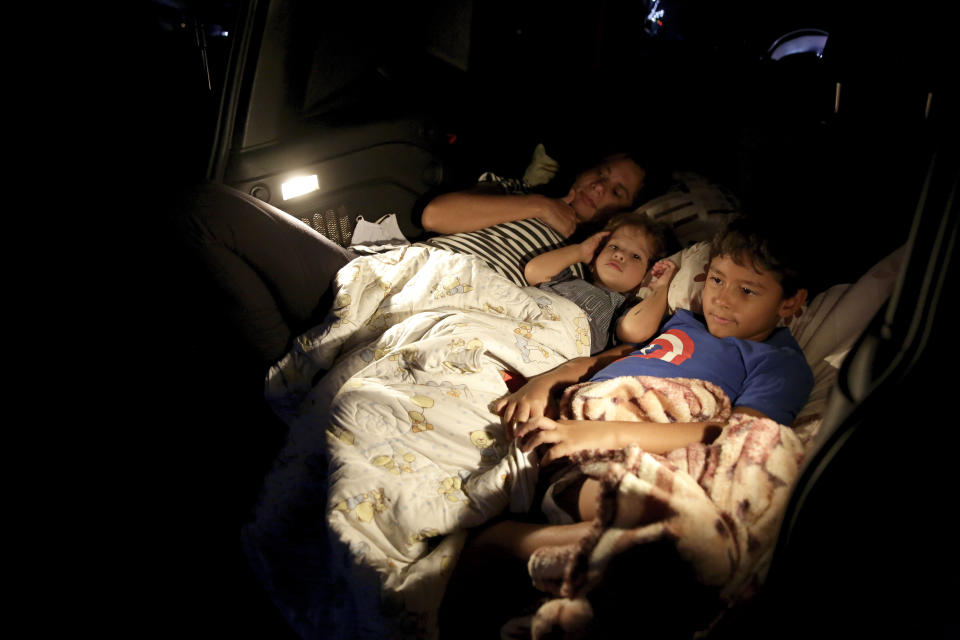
x,y
658,232
749,240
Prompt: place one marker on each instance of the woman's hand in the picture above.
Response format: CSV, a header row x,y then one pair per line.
x,y
558,213
529,401
564,437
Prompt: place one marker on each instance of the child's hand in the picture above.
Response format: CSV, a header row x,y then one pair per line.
x,y
588,248
529,401
661,273
564,438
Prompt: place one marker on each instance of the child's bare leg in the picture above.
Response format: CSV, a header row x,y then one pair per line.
x,y
490,576
521,539
587,501
579,499
494,561
492,570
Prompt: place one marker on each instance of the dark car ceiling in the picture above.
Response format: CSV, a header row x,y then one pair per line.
x,y
505,75
512,74
524,71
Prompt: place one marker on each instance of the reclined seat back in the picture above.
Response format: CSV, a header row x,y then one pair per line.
x,y
860,546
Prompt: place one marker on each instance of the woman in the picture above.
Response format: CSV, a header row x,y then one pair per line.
x,y
274,271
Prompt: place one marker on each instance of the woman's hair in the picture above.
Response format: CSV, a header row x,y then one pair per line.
x,y
655,180
658,232
749,241
655,176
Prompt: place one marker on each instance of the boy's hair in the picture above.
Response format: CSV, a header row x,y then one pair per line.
x,y
658,232
747,239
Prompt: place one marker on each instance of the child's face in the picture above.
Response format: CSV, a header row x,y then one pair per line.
x,y
623,261
743,301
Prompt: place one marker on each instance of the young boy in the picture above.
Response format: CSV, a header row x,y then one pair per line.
x,y
632,241
750,286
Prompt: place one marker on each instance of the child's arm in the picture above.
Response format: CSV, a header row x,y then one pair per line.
x,y
569,436
546,265
643,319
532,399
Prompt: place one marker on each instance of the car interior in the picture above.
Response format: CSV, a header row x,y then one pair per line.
x,y
839,120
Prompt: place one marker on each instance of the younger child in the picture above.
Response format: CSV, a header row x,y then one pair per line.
x,y
751,284
630,242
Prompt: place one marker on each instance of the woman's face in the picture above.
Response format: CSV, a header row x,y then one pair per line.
x,y
606,188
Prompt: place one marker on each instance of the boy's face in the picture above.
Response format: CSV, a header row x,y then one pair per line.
x,y
743,301
623,261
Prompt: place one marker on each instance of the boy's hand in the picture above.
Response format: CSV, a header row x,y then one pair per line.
x,y
564,438
661,274
529,401
588,248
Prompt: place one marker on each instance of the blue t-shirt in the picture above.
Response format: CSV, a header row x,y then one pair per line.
x,y
770,376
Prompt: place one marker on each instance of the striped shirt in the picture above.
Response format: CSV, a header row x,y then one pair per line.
x,y
598,303
507,247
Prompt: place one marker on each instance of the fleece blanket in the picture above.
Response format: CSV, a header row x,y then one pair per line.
x,y
708,514
392,450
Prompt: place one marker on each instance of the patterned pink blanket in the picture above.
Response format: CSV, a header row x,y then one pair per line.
x,y
697,525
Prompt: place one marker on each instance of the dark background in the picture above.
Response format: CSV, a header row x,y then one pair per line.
x,y
696,94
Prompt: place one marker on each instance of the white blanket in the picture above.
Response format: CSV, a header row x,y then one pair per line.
x,y
415,347
399,436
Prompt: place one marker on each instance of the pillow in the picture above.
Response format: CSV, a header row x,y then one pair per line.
x,y
686,288
834,321
542,168
693,207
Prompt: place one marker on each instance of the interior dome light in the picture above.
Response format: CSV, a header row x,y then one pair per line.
x,y
299,186
799,41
